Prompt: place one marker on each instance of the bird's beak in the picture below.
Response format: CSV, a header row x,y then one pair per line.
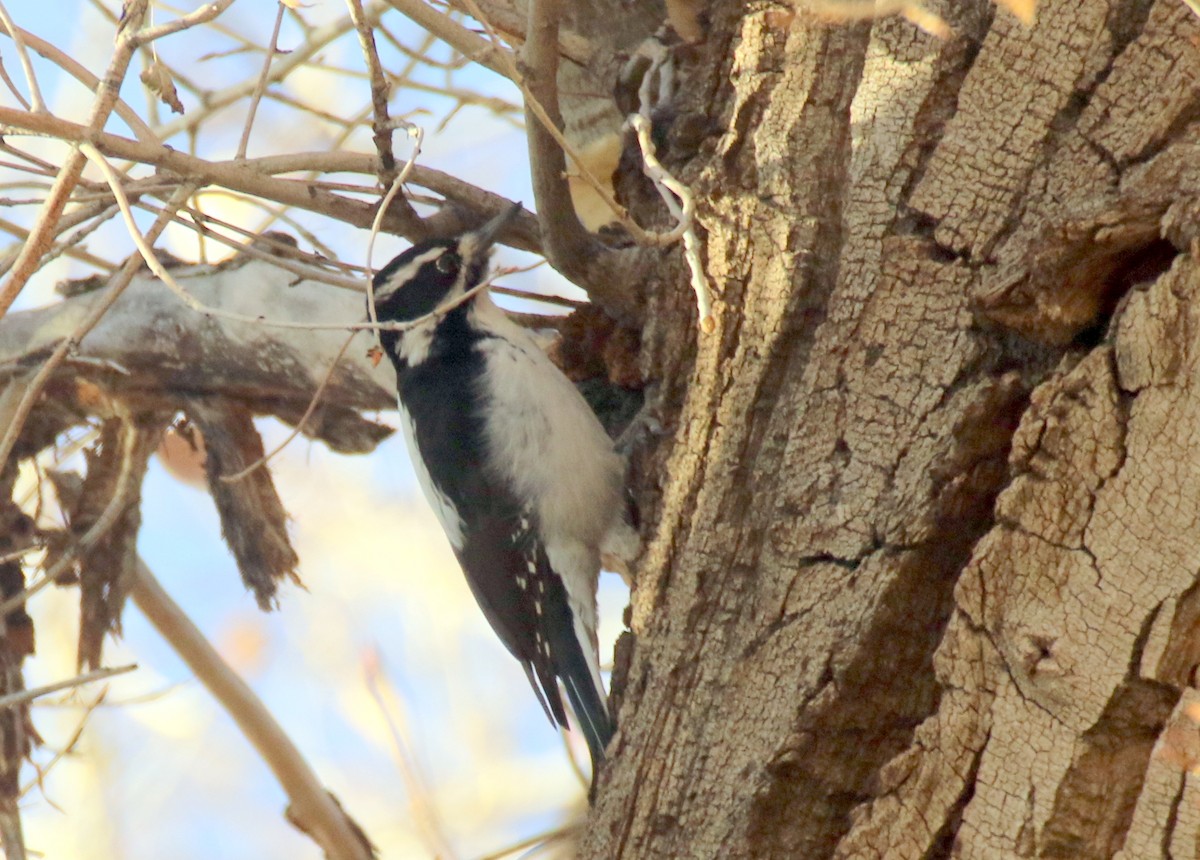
x,y
486,236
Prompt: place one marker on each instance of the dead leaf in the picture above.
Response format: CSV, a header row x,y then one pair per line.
x,y
157,78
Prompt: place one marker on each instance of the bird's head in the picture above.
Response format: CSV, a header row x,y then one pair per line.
x,y
433,273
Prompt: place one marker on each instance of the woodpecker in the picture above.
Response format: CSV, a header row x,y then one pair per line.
x,y
517,468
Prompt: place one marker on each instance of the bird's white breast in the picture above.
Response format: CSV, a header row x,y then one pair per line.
x,y
541,431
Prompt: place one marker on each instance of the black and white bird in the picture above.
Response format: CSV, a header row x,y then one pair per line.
x,y
516,466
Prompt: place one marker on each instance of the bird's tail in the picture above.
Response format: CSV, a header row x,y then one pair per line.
x,y
591,711
576,665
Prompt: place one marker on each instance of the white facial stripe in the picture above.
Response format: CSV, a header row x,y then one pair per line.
x,y
402,275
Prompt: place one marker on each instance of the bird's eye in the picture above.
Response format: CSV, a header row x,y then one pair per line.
x,y
448,263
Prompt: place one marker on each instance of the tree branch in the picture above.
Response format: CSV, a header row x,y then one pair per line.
x,y
16,421
315,42
35,93
69,65
23,696
312,807
252,176
41,234
567,245
381,125
486,53
509,21
256,96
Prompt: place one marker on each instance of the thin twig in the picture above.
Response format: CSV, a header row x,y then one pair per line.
x,y
40,235
311,805
312,271
69,65
538,840
203,15
18,554
299,426
418,135
61,248
263,80
492,55
256,177
23,696
560,301
12,85
317,41
425,813
161,272
381,124
67,748
35,94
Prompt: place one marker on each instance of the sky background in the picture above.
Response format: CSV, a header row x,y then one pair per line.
x,y
161,771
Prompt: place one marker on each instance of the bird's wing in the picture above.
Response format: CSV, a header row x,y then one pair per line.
x,y
494,538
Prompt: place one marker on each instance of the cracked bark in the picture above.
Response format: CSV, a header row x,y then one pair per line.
x,y
922,545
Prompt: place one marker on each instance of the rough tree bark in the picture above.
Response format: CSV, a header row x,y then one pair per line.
x,y
924,535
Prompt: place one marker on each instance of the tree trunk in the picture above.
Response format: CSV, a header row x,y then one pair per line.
x,y
924,533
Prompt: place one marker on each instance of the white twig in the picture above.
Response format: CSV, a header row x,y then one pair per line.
x,y
683,209
418,135
676,195
26,695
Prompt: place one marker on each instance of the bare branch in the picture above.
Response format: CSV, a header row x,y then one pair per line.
x,y
200,16
261,88
490,54
236,362
13,699
35,93
253,176
69,65
314,809
317,41
16,420
40,236
381,125
568,246
69,746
